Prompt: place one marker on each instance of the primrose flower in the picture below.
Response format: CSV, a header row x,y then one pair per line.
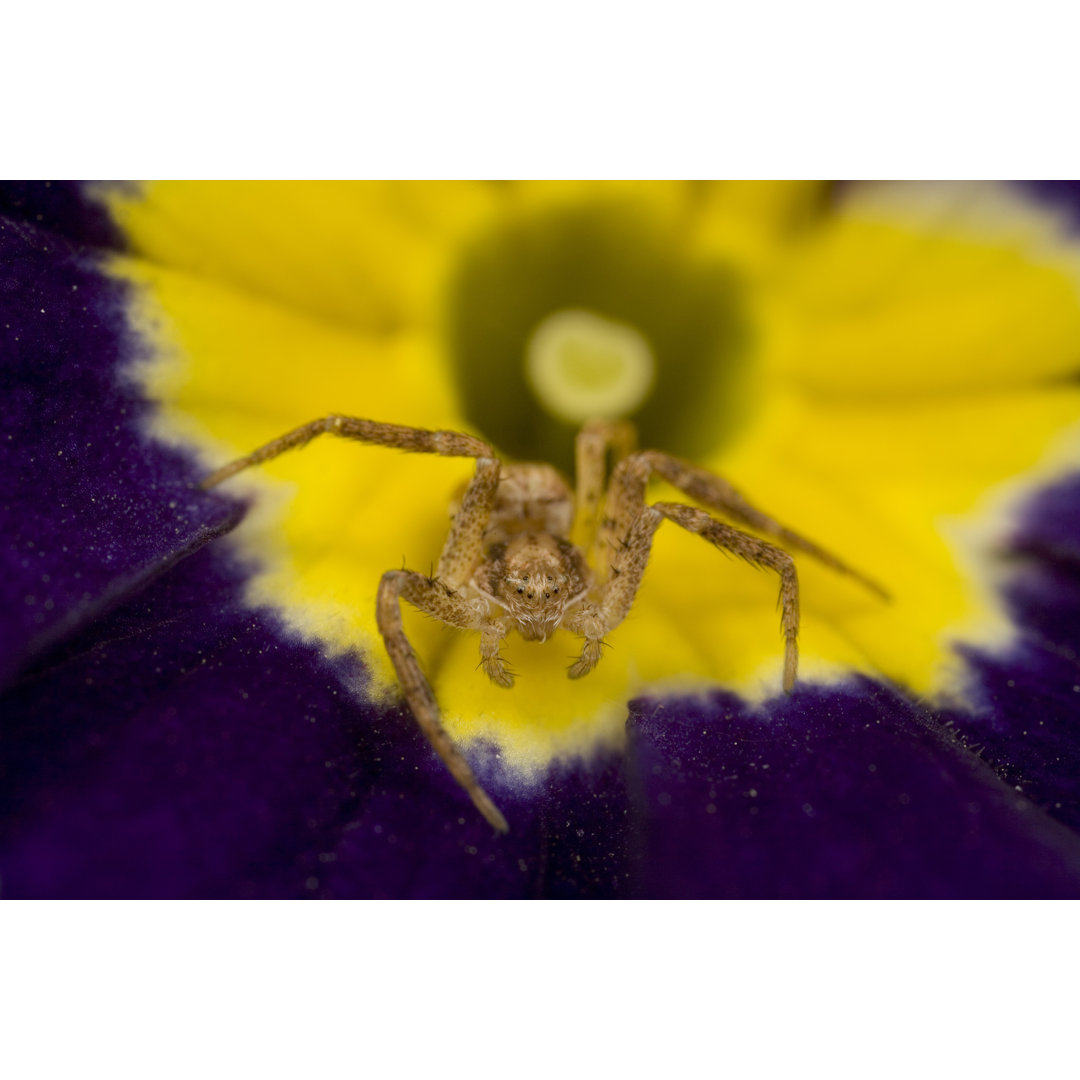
x,y
197,701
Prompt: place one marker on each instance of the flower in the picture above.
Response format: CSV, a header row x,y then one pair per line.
x,y
216,718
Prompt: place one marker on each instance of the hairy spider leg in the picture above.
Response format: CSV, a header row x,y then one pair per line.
x,y
396,436
627,566
758,553
626,534
441,602
625,540
591,449
436,596
717,494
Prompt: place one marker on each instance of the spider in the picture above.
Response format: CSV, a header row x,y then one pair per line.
x,y
509,562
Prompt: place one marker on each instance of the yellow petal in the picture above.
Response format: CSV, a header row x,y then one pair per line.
x,y
370,255
918,495
916,289
238,369
753,223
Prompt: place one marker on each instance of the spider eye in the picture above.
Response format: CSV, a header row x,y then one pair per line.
x,y
556,589
521,588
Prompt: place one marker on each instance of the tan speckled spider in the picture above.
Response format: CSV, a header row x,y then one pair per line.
x,y
509,563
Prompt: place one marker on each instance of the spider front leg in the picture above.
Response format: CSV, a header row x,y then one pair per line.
x,y
759,553
631,556
442,602
376,432
464,546
625,569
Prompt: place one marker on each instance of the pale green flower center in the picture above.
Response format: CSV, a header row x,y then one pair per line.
x,y
581,365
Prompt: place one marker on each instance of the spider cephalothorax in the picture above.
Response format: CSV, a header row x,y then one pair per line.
x,y
511,563
536,578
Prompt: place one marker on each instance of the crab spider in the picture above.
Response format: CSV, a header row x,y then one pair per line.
x,y
509,562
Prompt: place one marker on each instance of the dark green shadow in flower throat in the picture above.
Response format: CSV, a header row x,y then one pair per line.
x,y
614,258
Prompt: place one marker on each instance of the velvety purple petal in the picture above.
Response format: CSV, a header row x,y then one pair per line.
x,y
1027,719
851,792
185,746
181,746
89,508
60,207
1050,528
570,837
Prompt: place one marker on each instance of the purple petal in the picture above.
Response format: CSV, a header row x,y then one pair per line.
x,y
88,510
62,207
851,792
1026,723
184,746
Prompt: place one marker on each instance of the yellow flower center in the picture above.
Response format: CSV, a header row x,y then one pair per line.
x,y
581,365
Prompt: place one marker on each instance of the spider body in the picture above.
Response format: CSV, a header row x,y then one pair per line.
x,y
525,552
530,568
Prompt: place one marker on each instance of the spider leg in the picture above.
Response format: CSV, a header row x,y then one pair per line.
x,y
757,552
628,494
631,555
420,440
493,664
591,448
464,545
436,599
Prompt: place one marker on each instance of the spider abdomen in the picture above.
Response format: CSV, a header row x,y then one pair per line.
x,y
531,498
